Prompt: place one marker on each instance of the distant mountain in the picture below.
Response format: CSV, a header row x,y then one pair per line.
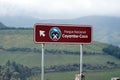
x,y
105,29
95,21
19,21
2,26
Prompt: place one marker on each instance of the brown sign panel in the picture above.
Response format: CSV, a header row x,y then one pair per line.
x,y
58,33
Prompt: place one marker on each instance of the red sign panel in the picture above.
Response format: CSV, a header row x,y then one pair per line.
x,y
58,33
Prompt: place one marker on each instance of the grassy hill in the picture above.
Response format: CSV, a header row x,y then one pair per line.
x,y
23,39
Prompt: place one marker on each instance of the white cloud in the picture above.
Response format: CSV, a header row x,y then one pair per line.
x,y
59,8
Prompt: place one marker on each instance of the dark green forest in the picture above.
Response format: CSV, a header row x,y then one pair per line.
x,y
113,51
14,71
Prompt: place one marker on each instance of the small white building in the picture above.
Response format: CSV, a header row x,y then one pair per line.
x,y
115,78
77,77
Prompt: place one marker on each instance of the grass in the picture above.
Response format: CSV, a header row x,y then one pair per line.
x,y
27,59
89,75
102,75
14,31
34,59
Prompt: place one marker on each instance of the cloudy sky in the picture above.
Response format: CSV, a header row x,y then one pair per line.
x,y
59,9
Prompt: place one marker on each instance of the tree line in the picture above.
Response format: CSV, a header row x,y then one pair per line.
x,y
15,28
76,66
113,51
52,51
14,71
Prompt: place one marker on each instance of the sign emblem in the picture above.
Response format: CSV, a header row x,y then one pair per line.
x,y
55,33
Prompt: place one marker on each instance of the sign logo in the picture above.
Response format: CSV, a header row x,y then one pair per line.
x,y
55,33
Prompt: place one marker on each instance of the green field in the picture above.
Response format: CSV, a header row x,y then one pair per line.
x,y
90,75
24,39
32,60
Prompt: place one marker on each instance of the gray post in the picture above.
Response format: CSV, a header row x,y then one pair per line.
x,y
42,63
81,54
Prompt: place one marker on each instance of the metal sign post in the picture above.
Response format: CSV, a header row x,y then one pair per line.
x,y
42,63
81,54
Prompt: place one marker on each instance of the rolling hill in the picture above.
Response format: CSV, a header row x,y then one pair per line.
x,y
18,45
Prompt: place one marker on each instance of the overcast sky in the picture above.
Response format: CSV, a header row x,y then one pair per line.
x,y
59,9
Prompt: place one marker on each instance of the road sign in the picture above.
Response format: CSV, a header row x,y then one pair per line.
x,y
59,33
